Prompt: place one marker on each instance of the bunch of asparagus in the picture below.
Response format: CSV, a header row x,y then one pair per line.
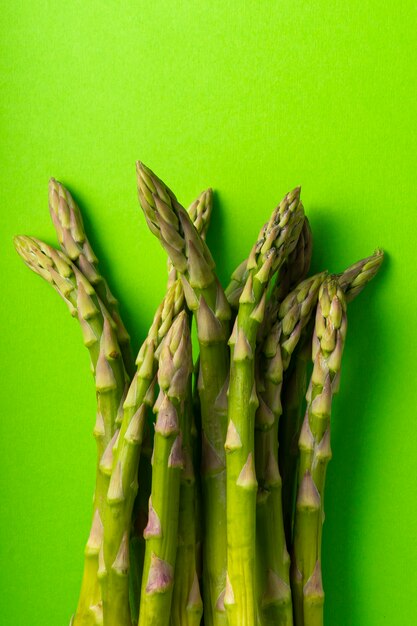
x,y
208,504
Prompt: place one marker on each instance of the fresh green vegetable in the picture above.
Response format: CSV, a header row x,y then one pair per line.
x,y
187,605
114,564
161,533
291,272
274,595
100,338
352,281
276,240
212,512
315,452
191,257
200,213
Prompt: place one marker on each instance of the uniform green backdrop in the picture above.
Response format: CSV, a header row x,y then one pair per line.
x,y
251,97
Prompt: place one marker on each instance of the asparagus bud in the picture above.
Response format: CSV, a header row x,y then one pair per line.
x,y
291,273
68,223
356,277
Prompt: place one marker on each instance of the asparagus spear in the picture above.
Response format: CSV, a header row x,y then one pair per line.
x,y
277,239
115,588
352,281
196,456
140,519
190,256
293,392
200,213
114,562
187,606
110,378
175,367
314,444
68,222
274,595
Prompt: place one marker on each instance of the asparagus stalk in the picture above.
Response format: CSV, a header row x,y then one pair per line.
x,y
68,223
196,456
187,606
175,367
277,239
352,281
200,213
274,594
190,256
116,588
314,445
114,555
140,519
293,392
110,378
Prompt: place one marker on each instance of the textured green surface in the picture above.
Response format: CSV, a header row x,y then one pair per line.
x,y
252,98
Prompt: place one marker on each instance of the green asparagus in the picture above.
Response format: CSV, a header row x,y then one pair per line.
x,y
200,213
140,519
196,512
190,256
114,564
352,281
274,595
110,377
293,393
161,533
314,444
357,276
276,240
187,605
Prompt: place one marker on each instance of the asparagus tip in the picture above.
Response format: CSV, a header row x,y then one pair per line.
x,y
23,245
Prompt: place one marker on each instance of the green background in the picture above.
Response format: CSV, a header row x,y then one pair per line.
x,y
251,98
